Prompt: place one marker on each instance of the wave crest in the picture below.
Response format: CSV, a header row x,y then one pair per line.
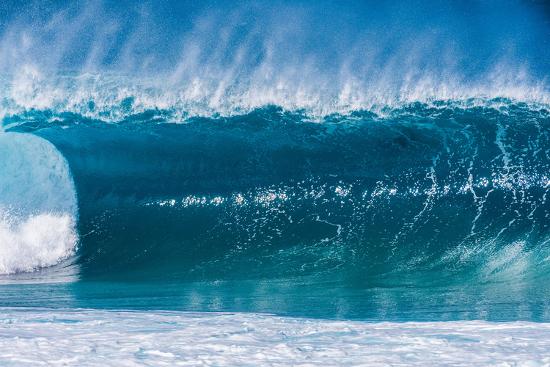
x,y
37,204
115,98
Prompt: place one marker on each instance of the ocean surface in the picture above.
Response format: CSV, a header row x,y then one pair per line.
x,y
244,184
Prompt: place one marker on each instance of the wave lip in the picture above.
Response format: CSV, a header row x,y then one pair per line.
x,y
115,98
37,204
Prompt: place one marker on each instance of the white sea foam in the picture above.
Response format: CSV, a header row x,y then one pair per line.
x,y
37,204
35,242
109,338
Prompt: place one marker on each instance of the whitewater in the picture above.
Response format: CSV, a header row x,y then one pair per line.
x,y
91,338
274,184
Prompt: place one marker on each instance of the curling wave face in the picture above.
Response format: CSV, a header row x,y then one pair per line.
x,y
421,189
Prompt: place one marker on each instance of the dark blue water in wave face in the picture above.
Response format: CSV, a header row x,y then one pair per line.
x,y
424,213
392,163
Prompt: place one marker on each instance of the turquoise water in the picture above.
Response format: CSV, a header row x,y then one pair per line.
x,y
274,183
423,212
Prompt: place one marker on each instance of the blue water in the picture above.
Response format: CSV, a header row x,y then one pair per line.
x,y
353,161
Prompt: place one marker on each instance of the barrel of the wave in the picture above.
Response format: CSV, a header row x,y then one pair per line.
x,y
38,204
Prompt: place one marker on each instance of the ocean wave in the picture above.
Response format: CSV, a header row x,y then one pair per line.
x,y
356,160
312,192
453,188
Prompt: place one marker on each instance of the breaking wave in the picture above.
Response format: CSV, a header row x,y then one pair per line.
x,y
37,204
449,188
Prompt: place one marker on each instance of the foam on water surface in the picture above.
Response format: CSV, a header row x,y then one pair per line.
x,y
116,338
38,241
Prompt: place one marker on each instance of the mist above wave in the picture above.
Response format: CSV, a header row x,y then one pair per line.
x,y
219,59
